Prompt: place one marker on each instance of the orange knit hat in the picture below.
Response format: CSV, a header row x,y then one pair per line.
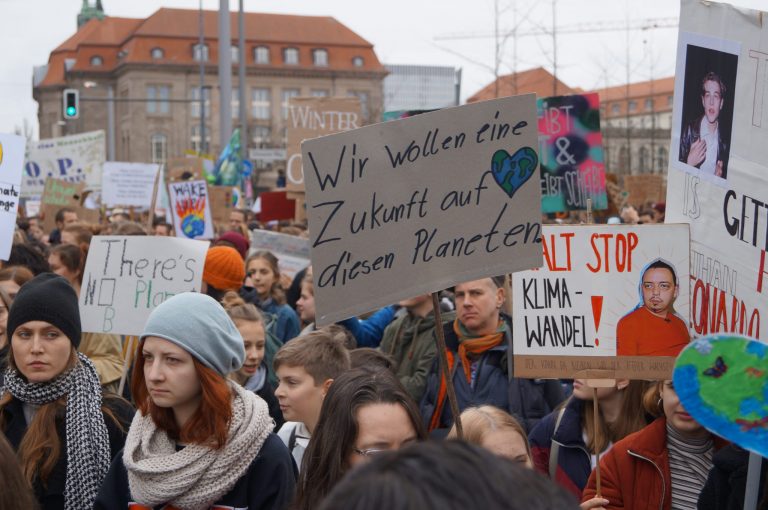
x,y
224,268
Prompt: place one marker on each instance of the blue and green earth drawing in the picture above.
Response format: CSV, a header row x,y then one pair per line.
x,y
722,381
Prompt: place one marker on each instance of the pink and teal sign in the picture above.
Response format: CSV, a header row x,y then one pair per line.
x,y
571,153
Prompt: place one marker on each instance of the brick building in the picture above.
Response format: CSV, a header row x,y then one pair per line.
x,y
152,67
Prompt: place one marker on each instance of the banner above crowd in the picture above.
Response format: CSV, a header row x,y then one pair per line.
x,y
406,207
718,176
74,159
604,291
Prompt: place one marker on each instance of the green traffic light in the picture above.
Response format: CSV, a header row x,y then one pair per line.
x,y
71,110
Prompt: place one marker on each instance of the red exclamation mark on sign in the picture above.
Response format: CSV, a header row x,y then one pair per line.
x,y
597,310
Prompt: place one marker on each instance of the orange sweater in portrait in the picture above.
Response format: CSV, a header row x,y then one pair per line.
x,y
642,333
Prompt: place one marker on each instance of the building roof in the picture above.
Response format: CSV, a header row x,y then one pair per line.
x,y
637,90
655,95
538,81
120,41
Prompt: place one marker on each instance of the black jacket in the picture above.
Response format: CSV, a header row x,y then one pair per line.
x,y
51,496
268,484
727,480
528,400
691,134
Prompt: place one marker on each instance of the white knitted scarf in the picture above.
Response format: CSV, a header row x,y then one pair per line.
x,y
196,476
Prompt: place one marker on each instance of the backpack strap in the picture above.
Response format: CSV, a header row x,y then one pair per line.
x,y
554,448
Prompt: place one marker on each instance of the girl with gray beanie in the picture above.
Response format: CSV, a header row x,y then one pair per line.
x,y
51,407
199,440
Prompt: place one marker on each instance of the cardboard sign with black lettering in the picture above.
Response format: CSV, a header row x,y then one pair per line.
x,y
11,165
406,207
610,301
126,277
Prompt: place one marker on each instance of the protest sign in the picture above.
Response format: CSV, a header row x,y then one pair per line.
x,y
406,207
191,209
642,189
723,197
275,205
310,117
571,151
126,277
58,193
292,252
184,169
74,159
224,199
11,166
585,306
32,207
128,184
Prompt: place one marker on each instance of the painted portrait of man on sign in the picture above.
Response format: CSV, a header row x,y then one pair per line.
x,y
653,328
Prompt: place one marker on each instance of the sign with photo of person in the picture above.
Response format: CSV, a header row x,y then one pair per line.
x,y
610,301
718,175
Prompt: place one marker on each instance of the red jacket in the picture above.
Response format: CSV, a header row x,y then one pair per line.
x,y
635,472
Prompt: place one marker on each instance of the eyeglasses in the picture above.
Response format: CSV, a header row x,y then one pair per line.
x,y
662,286
370,452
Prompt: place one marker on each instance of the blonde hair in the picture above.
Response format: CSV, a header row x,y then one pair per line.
x,y
477,422
239,310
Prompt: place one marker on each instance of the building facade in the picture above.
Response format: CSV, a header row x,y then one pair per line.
x,y
414,87
152,68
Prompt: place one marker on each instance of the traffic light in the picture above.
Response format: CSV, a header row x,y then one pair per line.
x,y
71,103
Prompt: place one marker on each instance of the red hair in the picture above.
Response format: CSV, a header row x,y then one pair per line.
x,y
209,425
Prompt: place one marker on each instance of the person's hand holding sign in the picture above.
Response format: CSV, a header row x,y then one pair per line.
x,y
697,153
594,504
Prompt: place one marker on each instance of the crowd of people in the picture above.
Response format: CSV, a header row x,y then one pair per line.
x,y
236,399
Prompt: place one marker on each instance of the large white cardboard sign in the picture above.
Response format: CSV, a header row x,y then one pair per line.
x,y
604,291
412,206
292,252
128,184
11,164
126,277
75,159
718,176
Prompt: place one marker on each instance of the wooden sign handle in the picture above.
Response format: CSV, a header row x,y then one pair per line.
x,y
441,348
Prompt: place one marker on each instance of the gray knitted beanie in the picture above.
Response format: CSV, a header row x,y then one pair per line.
x,y
198,324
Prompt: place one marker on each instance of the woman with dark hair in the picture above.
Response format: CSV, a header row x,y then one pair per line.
x,y
199,439
27,256
13,277
263,289
51,409
664,465
5,345
366,412
67,260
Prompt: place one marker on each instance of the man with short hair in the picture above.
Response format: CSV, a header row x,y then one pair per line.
x,y
162,228
477,344
410,341
653,328
238,221
64,217
701,142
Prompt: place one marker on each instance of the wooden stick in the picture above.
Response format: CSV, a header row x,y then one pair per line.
x,y
596,417
753,481
589,211
154,201
130,341
441,348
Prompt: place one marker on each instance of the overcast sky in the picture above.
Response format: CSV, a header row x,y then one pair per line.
x,y
402,32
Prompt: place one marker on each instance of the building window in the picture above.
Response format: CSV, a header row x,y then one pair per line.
x,y
319,93
157,99
615,108
287,95
669,100
235,102
623,159
320,57
291,56
194,106
262,136
363,97
157,53
195,139
649,104
96,61
358,61
235,53
662,158
644,161
159,147
261,103
261,55
200,52
633,106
